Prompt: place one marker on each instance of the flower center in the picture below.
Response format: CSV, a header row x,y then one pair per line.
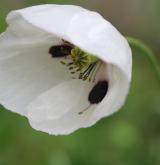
x,y
77,61
86,65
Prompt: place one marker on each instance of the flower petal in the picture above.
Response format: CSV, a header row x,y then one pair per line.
x,y
116,95
26,67
54,19
59,100
56,110
92,33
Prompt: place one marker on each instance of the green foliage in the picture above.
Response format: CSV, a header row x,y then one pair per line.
x,y
129,137
33,2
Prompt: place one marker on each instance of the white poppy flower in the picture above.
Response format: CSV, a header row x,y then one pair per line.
x,y
40,47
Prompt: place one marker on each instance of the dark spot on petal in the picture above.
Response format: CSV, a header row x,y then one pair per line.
x,y
98,92
60,50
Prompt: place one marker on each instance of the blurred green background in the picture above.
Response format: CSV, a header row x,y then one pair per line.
x,y
129,137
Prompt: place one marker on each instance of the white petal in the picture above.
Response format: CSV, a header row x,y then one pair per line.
x,y
26,67
54,19
59,100
92,33
56,110
116,95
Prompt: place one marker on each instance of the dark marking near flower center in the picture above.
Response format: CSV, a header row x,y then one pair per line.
x,y
60,50
96,95
98,92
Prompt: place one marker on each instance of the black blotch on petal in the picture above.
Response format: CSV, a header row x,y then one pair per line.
x,y
98,92
60,50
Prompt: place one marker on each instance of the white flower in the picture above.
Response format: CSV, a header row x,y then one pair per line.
x,y
34,83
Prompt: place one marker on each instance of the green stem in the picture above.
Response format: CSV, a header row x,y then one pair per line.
x,y
147,52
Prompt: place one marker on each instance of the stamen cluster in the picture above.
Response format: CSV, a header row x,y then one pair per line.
x,y
85,64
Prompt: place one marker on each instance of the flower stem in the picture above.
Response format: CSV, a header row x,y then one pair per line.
x,y
135,43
